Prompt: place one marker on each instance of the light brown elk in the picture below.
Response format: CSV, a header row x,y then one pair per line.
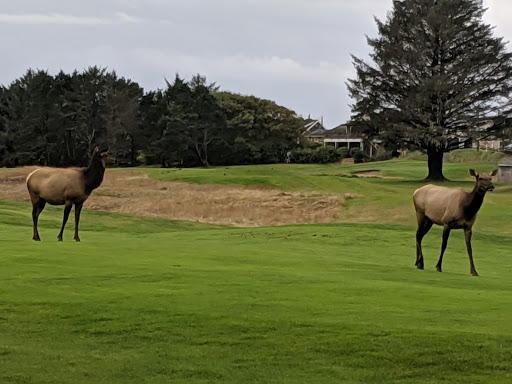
x,y
65,186
452,208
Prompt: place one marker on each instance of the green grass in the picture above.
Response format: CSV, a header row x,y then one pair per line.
x,y
143,300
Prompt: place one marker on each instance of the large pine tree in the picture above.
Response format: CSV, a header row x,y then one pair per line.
x,y
438,74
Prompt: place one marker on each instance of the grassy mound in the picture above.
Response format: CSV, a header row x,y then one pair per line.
x,y
472,155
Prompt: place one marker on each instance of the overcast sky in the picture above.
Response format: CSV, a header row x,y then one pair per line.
x,y
295,52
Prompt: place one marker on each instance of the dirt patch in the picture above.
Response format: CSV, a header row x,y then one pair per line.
x,y
367,173
133,192
12,184
371,173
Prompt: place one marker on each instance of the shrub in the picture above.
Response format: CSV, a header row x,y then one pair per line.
x,y
382,154
324,155
301,155
141,158
358,155
344,152
415,155
321,155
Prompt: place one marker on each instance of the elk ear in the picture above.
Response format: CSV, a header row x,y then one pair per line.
x,y
473,173
494,173
96,149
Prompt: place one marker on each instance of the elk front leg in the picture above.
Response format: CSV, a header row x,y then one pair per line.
x,y
67,209
446,234
78,209
467,234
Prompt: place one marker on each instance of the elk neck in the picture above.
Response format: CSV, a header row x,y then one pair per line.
x,y
473,202
94,173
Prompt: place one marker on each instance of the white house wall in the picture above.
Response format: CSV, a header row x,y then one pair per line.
x,y
346,141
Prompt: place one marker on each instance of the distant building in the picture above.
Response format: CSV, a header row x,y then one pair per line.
x,y
485,137
505,170
493,145
342,136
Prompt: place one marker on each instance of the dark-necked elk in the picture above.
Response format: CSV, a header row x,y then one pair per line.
x,y
452,208
66,186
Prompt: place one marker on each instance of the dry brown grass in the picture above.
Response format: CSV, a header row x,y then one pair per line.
x,y
133,192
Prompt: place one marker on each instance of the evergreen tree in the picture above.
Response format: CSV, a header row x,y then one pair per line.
x,y
122,118
175,121
206,124
28,108
57,152
153,106
5,137
198,80
194,122
438,74
88,111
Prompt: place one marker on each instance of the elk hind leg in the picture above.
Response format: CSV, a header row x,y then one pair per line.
x,y
424,225
37,208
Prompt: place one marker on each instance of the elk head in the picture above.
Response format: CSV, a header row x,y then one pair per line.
x,y
484,180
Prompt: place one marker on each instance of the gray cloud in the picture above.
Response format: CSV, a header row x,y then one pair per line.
x,y
62,19
296,52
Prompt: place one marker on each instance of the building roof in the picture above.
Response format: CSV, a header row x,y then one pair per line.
x,y
312,125
314,128
344,131
507,161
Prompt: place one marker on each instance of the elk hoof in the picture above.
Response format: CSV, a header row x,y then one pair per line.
x,y
439,269
59,238
419,264
474,273
36,239
77,239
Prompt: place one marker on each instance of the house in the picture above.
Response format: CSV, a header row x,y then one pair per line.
x,y
493,145
347,136
342,136
487,136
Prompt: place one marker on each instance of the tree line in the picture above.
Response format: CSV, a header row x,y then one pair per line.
x,y
437,79
59,120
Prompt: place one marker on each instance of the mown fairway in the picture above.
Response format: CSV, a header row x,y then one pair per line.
x,y
144,300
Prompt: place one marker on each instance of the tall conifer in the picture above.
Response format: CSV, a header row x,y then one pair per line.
x,y
437,75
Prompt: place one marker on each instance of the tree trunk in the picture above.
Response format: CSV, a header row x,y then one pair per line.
x,y
435,164
199,152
